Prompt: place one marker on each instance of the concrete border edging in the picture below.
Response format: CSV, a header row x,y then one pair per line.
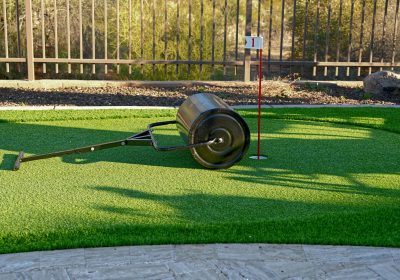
x,y
57,84
77,108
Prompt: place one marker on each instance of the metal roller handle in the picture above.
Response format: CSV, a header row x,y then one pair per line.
x,y
175,148
144,138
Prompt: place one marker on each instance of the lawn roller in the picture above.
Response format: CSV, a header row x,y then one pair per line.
x,y
217,136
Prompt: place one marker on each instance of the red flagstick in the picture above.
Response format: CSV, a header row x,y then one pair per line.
x,y
256,43
259,105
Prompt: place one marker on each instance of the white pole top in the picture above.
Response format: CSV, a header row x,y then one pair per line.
x,y
254,42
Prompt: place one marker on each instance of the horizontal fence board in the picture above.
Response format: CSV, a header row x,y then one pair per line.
x,y
206,62
12,59
330,64
134,61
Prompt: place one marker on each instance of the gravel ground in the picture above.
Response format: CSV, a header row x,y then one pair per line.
x,y
274,92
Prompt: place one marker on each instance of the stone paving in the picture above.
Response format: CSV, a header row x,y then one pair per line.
x,y
214,261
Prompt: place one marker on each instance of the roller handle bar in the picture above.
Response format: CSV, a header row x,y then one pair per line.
x,y
144,138
175,148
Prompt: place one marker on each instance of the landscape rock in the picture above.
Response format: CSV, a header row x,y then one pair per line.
x,y
382,82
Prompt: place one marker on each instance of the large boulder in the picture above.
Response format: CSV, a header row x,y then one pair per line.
x,y
382,82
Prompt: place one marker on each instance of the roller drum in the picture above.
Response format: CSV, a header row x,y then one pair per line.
x,y
204,117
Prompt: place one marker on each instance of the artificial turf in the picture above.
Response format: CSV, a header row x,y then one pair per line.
x,y
332,177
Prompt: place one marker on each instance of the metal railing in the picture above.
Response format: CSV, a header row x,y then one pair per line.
x,y
313,37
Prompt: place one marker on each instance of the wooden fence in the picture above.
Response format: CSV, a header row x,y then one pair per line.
x,y
317,38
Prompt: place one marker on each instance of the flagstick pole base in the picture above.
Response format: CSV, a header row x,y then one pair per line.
x,y
261,157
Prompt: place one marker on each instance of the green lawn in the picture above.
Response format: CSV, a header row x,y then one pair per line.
x,y
332,177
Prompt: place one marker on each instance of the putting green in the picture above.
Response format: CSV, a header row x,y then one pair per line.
x,y
322,183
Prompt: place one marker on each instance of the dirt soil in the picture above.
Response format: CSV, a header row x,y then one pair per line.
x,y
274,92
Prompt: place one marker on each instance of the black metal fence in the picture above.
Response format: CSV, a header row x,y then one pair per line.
x,y
162,38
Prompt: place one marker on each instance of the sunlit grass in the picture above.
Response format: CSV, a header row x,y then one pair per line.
x,y
324,183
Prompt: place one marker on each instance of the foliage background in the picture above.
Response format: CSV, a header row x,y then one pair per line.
x,y
335,35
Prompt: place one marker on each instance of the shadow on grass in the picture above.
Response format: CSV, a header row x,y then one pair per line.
x,y
323,149
381,118
356,165
41,139
211,218
348,164
207,218
204,208
310,181
296,160
367,227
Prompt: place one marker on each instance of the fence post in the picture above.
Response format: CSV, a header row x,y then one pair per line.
x,y
247,56
29,41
